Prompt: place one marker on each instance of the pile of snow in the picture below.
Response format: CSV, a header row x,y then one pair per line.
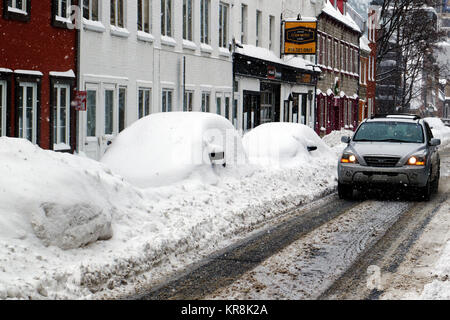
x,y
55,208
53,196
284,145
440,130
333,140
165,148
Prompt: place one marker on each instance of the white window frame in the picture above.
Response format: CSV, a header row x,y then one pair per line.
x,y
244,24
115,5
59,9
94,88
271,32
22,88
224,13
205,13
3,92
205,107
165,96
115,110
258,30
188,20
122,88
57,101
188,102
141,107
144,16
219,107
166,18
90,5
14,7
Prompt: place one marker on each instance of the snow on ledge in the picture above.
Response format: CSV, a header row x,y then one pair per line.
x,y
67,74
6,70
29,72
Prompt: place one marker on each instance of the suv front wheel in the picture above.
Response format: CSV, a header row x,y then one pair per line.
x,y
345,191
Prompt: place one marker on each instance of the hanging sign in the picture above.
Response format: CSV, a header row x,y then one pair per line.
x,y
79,102
300,37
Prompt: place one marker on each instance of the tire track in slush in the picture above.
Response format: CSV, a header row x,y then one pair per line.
x,y
306,268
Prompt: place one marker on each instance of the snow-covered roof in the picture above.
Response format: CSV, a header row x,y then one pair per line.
x,y
364,44
330,10
268,55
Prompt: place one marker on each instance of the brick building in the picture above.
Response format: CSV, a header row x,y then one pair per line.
x,y
37,73
338,57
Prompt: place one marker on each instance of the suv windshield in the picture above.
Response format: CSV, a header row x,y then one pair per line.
x,y
390,131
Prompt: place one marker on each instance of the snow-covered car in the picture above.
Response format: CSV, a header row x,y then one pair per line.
x,y
282,144
392,150
165,148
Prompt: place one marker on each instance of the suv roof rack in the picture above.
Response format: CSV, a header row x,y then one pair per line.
x,y
397,115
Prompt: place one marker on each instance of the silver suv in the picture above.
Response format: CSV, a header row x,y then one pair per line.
x,y
390,150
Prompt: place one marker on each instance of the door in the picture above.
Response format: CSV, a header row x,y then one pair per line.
x,y
3,108
91,144
26,113
110,117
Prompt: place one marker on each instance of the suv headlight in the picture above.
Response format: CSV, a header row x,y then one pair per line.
x,y
416,161
349,158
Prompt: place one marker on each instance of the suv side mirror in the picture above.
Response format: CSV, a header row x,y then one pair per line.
x,y
435,142
346,139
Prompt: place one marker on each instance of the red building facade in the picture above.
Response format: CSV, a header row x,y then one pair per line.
x,y
38,63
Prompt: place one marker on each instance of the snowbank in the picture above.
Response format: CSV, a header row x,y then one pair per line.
x,y
440,130
284,145
165,148
54,209
52,196
333,140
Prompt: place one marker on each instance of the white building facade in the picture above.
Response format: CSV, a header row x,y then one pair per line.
x,y
147,56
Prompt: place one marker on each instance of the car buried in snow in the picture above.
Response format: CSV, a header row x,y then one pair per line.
x,y
390,150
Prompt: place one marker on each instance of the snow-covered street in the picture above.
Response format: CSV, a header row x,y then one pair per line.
x,y
70,228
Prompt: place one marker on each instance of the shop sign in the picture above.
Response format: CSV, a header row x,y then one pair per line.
x,y
300,37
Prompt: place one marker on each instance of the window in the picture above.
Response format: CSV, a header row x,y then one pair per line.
x,y
271,32
167,100
144,102
319,49
143,15
227,107
188,101
187,20
329,53
109,111
63,8
258,28
223,25
91,109
336,54
244,24
27,109
2,108
204,21
219,104
91,10
117,13
61,116
166,18
342,57
17,10
206,96
122,107
19,6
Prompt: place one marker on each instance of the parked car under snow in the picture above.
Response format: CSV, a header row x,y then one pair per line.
x,y
283,145
165,148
